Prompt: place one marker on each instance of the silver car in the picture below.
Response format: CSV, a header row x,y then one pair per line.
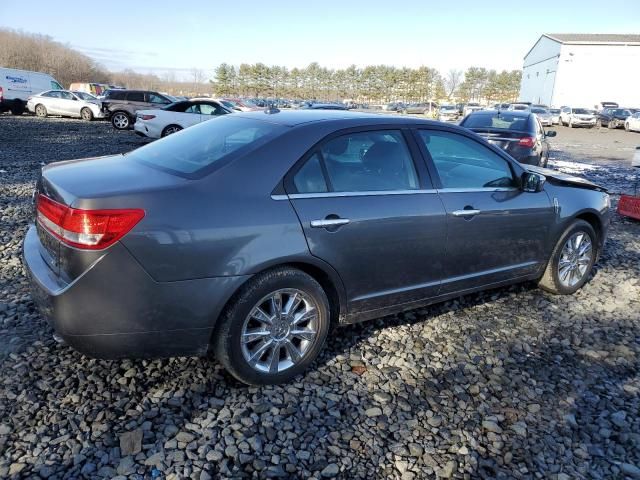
x,y
544,115
66,104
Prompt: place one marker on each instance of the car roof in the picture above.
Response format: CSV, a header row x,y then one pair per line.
x,y
291,118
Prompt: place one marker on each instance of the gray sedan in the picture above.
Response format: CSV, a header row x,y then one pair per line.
x,y
251,234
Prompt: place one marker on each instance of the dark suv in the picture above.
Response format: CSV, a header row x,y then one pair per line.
x,y
120,106
613,117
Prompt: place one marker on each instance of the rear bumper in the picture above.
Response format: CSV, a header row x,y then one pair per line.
x,y
116,310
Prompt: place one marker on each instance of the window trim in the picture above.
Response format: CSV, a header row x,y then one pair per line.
x,y
425,182
516,170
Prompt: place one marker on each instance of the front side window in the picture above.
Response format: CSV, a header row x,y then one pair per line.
x,y
154,98
464,163
210,109
67,95
195,108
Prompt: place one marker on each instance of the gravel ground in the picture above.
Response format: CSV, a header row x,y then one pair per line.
x,y
511,383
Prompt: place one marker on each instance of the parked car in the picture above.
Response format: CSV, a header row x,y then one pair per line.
x,y
577,117
520,134
16,86
420,108
520,107
632,123
604,105
555,116
177,116
501,106
392,107
545,117
325,106
448,113
120,106
613,117
243,105
471,107
225,238
66,104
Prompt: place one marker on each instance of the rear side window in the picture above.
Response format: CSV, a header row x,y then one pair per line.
x,y
310,178
135,97
116,95
196,150
464,163
361,162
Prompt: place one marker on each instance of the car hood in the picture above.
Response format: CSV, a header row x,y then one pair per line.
x,y
553,176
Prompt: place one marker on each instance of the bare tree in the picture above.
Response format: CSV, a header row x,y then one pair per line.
x,y
451,81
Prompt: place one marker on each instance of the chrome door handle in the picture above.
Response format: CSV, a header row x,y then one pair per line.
x,y
465,213
329,222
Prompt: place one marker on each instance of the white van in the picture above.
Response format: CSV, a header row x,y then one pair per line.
x,y
16,86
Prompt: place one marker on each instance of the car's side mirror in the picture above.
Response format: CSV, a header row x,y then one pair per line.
x,y
532,182
550,133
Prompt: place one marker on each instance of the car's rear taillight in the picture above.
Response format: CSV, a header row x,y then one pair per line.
x,y
85,229
527,142
146,117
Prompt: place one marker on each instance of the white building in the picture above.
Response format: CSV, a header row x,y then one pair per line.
x,y
581,70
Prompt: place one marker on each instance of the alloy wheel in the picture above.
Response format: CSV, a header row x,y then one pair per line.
x,y
170,130
121,121
575,259
279,331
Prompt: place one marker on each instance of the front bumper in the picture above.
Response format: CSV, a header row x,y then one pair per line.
x,y
116,310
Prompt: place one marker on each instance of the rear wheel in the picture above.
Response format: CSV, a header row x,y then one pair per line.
x,y
572,259
171,129
120,120
274,328
41,110
86,114
17,108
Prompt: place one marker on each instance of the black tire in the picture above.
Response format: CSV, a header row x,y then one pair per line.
x,y
41,110
550,280
227,337
17,108
120,120
86,114
169,129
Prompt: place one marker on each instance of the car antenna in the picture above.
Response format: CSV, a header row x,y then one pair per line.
x,y
271,109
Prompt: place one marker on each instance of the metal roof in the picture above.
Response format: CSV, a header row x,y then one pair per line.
x,y
595,38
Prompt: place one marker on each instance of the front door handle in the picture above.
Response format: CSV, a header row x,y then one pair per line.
x,y
465,213
329,222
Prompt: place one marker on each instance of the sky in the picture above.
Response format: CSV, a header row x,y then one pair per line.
x,y
163,36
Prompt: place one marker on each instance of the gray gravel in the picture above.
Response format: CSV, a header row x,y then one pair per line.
x,y
511,383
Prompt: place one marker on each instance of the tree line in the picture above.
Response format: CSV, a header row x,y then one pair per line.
x,y
369,84
379,83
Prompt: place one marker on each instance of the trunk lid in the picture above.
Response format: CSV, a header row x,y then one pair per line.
x,y
112,182
505,139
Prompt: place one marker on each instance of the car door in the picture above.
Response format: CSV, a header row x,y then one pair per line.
x,y
495,231
52,101
369,211
69,104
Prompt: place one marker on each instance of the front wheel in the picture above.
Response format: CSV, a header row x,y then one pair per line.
x,y
86,114
572,260
626,126
41,110
274,328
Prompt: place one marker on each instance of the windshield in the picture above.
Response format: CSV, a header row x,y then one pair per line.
x,y
84,96
581,111
190,152
555,110
539,110
499,120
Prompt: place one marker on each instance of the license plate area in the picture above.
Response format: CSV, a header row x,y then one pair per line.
x,y
51,248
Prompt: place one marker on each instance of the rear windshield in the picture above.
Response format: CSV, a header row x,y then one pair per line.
x,y
196,150
539,110
500,120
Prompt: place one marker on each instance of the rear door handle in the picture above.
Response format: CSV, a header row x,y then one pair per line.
x,y
329,222
465,213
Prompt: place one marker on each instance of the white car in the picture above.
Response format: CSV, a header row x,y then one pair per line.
x,y
159,123
66,104
555,116
632,123
577,117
